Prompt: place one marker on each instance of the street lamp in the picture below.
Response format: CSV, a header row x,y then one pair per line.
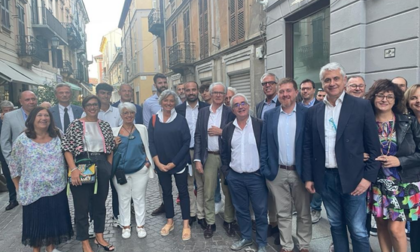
x,y
55,42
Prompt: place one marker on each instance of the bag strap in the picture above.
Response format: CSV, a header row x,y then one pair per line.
x,y
153,120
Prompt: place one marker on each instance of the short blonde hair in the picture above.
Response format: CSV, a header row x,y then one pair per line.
x,y
408,93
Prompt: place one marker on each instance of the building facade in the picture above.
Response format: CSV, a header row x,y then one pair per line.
x,y
375,39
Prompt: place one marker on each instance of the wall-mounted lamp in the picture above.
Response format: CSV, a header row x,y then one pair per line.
x,y
55,42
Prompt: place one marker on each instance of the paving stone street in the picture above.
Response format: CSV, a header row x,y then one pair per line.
x,y
11,227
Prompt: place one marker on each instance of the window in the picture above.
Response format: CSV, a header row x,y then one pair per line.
x,y
174,34
204,28
5,13
186,18
173,6
34,11
237,21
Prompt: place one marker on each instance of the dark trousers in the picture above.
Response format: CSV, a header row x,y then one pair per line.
x,y
10,186
415,235
83,194
181,180
245,187
345,211
115,206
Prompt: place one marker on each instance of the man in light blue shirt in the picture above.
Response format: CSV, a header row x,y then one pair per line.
x,y
151,105
307,91
269,86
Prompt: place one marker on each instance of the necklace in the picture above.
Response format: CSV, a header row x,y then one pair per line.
x,y
388,136
130,136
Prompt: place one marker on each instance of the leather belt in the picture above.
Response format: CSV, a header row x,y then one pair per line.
x,y
96,153
288,167
214,152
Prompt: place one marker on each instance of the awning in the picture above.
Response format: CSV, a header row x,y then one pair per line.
x,y
14,73
73,86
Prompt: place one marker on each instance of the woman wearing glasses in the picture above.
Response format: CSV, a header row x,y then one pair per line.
x,y
394,198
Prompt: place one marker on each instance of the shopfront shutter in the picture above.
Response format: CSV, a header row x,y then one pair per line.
x,y
242,84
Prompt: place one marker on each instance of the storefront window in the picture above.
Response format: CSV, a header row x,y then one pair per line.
x,y
311,46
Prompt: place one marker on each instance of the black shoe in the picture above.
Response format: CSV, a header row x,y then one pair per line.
x,y
12,205
202,223
238,245
159,210
277,240
208,232
230,230
192,220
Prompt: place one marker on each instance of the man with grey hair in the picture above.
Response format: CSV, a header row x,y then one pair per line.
x,y
269,86
64,112
337,132
180,90
6,106
210,122
356,86
126,94
230,93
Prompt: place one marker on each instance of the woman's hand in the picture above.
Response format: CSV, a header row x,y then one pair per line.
x,y
388,161
75,177
117,141
147,164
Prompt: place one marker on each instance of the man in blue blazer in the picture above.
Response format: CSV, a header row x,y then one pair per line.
x,y
126,94
337,133
281,164
64,113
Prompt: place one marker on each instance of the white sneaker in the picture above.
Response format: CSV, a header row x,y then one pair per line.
x,y
218,207
373,229
141,232
315,216
54,250
116,222
91,230
126,233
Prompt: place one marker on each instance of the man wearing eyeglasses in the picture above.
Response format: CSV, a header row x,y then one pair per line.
x,y
356,86
241,168
307,91
269,86
207,142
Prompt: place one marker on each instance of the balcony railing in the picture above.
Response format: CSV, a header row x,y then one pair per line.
x,y
67,68
155,22
29,46
49,25
181,55
73,36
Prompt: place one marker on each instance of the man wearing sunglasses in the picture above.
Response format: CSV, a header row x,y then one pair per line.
x,y
269,86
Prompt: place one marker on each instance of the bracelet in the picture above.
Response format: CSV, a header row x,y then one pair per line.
x,y
71,171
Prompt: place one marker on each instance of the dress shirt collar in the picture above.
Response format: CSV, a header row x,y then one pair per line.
x,y
110,109
235,122
61,107
170,119
281,110
310,104
340,99
196,105
274,100
217,110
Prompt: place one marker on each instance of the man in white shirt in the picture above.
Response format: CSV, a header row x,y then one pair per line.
x,y
241,167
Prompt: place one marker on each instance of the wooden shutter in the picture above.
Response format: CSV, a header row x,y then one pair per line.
x,y
237,21
204,29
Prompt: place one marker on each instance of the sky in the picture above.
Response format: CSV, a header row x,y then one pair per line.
x,y
104,16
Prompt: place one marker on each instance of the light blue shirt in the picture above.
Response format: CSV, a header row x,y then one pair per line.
x,y
25,116
310,104
267,106
286,132
150,107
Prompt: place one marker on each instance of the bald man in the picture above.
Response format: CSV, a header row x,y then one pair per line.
x,y
126,94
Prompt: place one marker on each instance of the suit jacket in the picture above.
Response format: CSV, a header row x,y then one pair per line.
x,y
356,133
139,113
269,153
55,111
260,106
200,136
226,147
182,108
13,126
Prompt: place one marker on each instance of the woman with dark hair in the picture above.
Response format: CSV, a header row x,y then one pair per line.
x,y
394,198
41,181
89,137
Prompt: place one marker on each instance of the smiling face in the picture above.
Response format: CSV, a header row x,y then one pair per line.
x,y
191,91
168,103
333,83
287,95
28,101
414,101
269,86
307,91
92,108
161,85
356,87
63,95
126,93
42,120
218,95
384,101
128,116
240,108
104,96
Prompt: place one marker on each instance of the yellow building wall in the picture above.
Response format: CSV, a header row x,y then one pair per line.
x,y
144,87
148,53
143,4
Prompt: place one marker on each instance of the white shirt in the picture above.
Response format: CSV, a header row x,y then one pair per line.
x,y
61,111
191,114
94,141
286,133
244,156
332,114
111,116
215,119
170,119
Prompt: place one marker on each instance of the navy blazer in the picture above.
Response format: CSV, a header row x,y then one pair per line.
x,y
201,132
139,113
260,106
181,108
269,152
55,111
356,133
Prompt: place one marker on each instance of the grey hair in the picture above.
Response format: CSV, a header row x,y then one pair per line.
x,y
355,76
167,93
59,85
127,105
6,104
331,67
233,90
239,95
215,84
269,74
125,84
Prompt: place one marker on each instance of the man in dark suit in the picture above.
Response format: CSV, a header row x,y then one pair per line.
x,y
241,168
307,92
210,123
189,109
281,164
337,132
64,113
126,94
269,86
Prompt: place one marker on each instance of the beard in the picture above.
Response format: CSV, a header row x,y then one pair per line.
x,y
161,89
192,98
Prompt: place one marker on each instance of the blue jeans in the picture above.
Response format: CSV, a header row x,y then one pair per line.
x,y
345,211
316,202
243,188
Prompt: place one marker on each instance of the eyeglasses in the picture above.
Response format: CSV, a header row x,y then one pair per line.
x,y
241,104
90,105
306,89
388,97
218,93
268,82
354,86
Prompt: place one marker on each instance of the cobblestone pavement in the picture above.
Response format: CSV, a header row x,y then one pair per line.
x,y
11,227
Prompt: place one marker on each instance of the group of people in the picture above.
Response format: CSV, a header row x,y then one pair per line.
x,y
357,152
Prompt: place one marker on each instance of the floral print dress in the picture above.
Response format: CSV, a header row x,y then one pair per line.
x,y
389,198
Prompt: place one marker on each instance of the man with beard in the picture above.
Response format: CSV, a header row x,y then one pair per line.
x,y
281,164
180,90
126,94
151,105
356,86
189,109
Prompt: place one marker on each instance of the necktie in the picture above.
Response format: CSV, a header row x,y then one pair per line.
x,y
66,120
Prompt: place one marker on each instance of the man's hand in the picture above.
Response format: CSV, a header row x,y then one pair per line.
x,y
365,157
215,131
199,167
309,185
361,188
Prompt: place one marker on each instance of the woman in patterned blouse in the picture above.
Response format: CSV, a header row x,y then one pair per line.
x,y
93,136
38,171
